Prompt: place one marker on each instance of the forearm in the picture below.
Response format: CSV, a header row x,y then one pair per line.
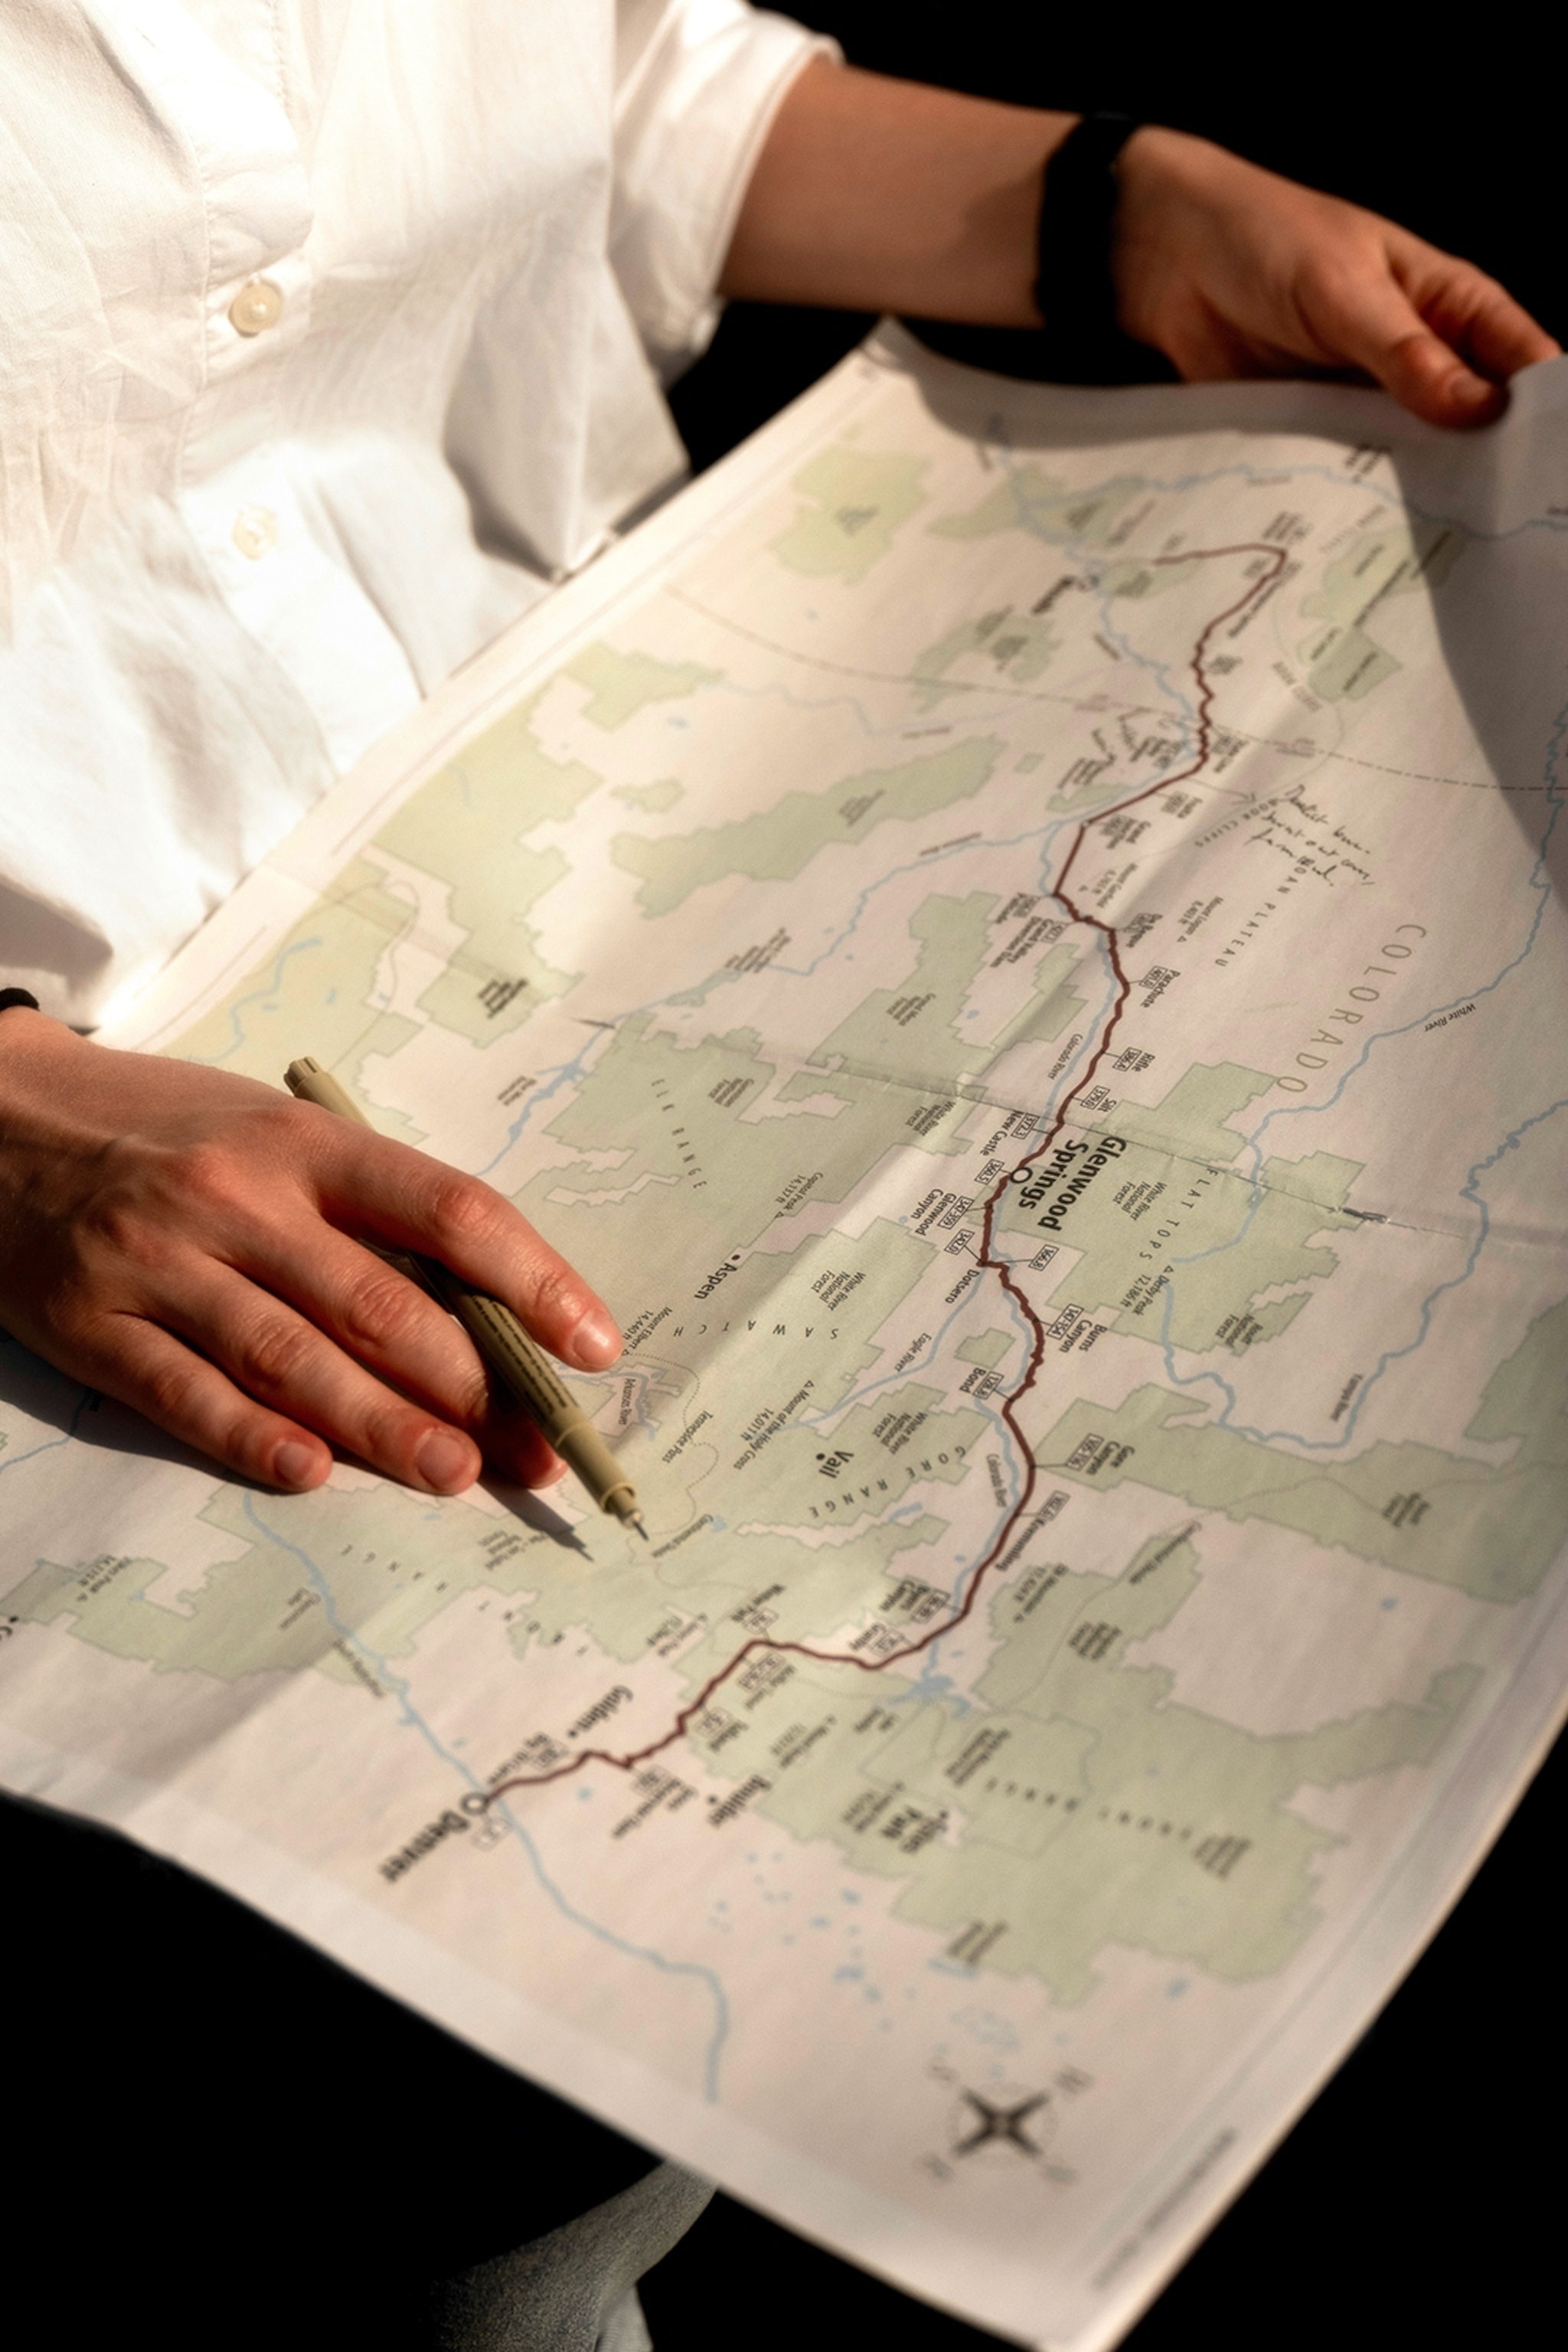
x,y
873,194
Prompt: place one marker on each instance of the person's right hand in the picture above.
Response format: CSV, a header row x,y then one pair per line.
x,y
185,1241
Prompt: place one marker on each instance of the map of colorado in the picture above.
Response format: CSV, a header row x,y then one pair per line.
x,y
1013,935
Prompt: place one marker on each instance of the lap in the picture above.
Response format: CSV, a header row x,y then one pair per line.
x,y
218,2128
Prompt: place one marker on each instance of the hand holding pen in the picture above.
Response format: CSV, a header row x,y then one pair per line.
x,y
518,1362
193,1244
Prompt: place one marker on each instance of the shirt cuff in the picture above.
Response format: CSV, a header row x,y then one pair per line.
x,y
698,84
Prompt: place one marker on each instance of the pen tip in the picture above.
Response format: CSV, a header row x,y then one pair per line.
x,y
635,1519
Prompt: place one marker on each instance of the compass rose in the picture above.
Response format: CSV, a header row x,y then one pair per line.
x,y
999,2123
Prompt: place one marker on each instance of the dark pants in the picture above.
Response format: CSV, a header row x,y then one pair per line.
x,y
225,2139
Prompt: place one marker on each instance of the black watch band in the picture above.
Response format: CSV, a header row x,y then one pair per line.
x,y
1073,286
10,996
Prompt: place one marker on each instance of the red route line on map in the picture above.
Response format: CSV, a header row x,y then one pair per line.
x,y
999,1266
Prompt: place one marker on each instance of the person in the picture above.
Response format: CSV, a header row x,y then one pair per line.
x,y
333,334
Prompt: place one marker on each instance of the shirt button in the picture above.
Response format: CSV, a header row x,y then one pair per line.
x,y
256,307
255,532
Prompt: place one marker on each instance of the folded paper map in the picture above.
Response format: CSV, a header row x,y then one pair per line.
x,y
1014,934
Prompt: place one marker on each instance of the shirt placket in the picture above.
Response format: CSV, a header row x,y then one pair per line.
x,y
236,495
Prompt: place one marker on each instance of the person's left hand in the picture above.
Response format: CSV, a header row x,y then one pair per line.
x,y
877,194
1232,271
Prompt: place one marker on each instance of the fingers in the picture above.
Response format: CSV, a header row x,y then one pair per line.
x,y
370,1184
375,1319
377,1314
1426,376
215,1407
1357,311
286,1363
1475,316
1439,335
149,1368
509,1439
314,1326
309,1335
384,1321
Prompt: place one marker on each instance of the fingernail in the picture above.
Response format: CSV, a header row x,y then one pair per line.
x,y
595,1343
548,1479
445,1461
295,1463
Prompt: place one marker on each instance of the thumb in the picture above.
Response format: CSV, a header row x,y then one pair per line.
x,y
1426,375
1433,331
1367,318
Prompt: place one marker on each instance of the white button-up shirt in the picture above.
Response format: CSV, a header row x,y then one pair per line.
x,y
331,333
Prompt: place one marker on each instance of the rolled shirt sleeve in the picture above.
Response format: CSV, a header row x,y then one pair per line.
x,y
698,84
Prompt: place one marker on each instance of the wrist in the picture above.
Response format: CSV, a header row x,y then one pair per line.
x,y
26,1030
1172,186
1074,290
33,1051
